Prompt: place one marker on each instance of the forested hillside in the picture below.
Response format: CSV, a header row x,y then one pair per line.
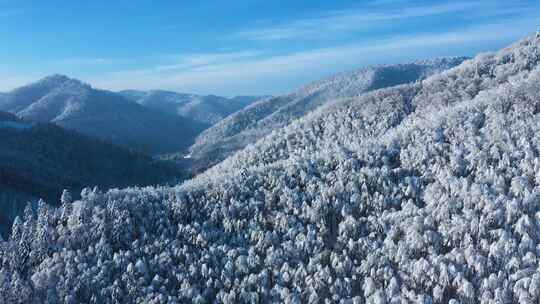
x,y
247,126
77,106
207,110
422,193
40,160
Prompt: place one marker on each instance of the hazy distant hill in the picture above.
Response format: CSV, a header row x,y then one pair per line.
x,y
208,109
259,119
39,160
106,115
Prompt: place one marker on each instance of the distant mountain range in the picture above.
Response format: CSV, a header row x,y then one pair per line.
x,y
207,110
261,118
109,116
39,160
72,135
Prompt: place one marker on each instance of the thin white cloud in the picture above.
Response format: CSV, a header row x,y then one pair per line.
x,y
81,61
191,61
350,21
274,74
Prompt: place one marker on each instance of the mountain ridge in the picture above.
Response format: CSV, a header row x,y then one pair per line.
x,y
259,119
206,109
75,105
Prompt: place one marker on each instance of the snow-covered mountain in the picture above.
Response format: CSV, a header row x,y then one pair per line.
x,y
261,118
106,115
207,110
40,160
421,193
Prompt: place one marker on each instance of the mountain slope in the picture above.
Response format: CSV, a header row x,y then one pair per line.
x,y
102,114
425,192
8,117
204,109
259,119
40,160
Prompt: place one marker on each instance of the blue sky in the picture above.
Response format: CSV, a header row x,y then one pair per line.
x,y
244,46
